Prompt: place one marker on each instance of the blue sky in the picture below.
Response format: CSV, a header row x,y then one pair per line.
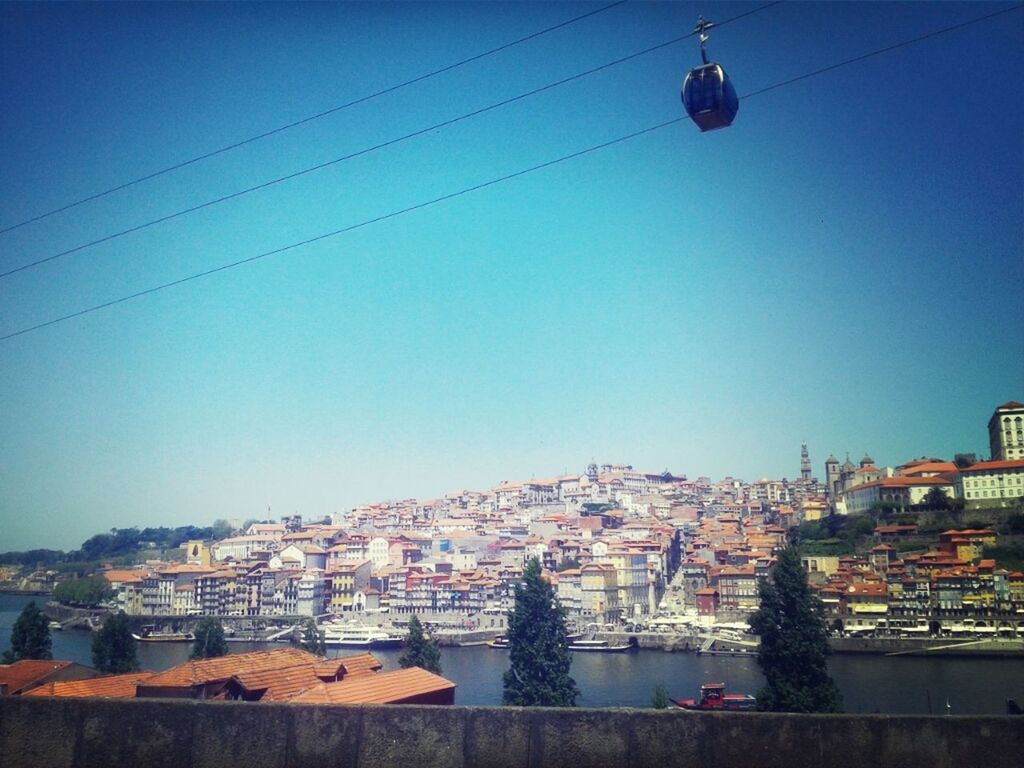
x,y
842,266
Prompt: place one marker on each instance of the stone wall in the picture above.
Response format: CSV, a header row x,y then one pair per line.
x,y
184,734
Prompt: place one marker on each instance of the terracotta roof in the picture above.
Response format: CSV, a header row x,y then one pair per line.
x,y
361,662
208,670
904,482
988,466
392,687
17,676
938,467
109,687
119,576
280,684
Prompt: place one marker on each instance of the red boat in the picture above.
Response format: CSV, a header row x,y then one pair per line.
x,y
713,698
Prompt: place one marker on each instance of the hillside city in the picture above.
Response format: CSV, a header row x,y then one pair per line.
x,y
632,549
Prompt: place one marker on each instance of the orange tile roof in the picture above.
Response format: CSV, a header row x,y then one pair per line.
x,y
988,466
203,671
360,662
109,687
392,687
120,576
17,676
939,467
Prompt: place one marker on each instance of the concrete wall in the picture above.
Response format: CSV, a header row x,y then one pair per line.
x,y
80,733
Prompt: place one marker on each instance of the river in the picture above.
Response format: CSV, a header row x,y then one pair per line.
x,y
906,685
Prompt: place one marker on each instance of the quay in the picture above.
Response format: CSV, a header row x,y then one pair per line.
x,y
445,631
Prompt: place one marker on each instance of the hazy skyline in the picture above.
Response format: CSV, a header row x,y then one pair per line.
x,y
842,266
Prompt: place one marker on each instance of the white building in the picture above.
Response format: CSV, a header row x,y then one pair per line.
x,y
992,483
1006,432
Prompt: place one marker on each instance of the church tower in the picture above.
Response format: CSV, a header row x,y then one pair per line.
x,y
832,475
805,464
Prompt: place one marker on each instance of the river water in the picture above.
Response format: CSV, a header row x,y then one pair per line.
x,y
902,685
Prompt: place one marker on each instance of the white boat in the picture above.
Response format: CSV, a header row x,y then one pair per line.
x,y
341,633
601,646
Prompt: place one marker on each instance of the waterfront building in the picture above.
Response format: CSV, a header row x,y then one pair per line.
x,y
600,593
737,588
569,589
345,579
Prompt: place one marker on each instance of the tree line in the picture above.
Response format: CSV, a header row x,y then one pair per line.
x,y
118,543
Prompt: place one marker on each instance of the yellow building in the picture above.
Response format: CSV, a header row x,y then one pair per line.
x,y
345,578
599,593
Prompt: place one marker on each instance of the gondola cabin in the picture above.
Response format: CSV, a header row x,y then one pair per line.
x,y
709,98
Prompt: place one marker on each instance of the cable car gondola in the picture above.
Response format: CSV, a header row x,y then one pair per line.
x,y
708,96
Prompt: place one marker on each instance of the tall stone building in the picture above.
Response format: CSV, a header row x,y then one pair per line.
x,y
805,464
1006,432
832,475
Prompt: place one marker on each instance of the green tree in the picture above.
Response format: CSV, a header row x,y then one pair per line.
x,y
566,563
30,636
660,698
936,498
313,639
794,644
91,590
221,529
538,675
420,651
113,647
209,640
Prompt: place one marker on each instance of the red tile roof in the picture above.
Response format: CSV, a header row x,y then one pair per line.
x,y
110,687
15,677
209,670
988,466
393,687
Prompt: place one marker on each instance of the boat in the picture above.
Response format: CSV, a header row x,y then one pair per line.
x,y
499,642
353,635
55,625
602,646
713,698
148,634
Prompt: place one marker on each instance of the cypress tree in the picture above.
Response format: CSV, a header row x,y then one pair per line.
x,y
420,651
794,645
113,647
209,640
660,698
30,636
313,640
539,654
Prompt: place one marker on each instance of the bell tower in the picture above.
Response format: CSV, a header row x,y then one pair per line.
x,y
805,464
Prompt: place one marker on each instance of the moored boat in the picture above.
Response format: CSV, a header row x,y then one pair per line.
x,y
601,646
499,642
713,698
148,634
352,635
